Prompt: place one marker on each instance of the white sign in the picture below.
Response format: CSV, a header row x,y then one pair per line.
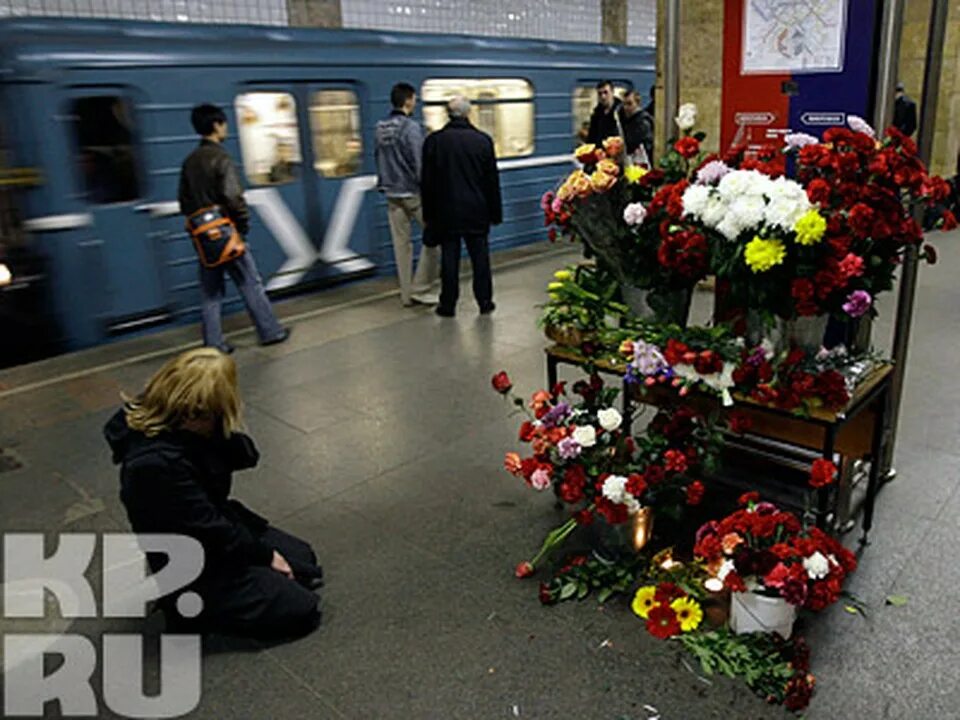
x,y
824,118
754,118
793,36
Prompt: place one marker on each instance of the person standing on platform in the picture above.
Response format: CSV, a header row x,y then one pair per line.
x,y
461,199
904,112
399,153
603,121
637,129
209,179
178,445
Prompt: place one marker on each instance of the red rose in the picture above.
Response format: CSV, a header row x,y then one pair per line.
x,y
948,221
708,362
583,517
822,473
861,219
523,569
739,422
688,147
695,492
674,352
501,383
546,597
570,493
613,513
709,548
748,497
733,581
527,431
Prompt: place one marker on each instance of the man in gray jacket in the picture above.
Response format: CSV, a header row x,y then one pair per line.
x,y
399,149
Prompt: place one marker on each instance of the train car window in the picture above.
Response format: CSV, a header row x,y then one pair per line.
x,y
269,137
335,124
502,108
584,101
107,157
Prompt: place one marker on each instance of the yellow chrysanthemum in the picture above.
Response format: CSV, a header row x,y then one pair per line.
x,y
563,275
643,601
761,255
555,286
633,173
688,613
810,228
554,297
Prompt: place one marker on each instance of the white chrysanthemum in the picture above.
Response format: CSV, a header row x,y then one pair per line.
x,y
784,213
785,189
817,566
799,140
742,182
729,227
585,435
714,211
748,210
695,199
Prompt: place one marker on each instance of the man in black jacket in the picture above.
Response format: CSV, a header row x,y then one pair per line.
x,y
461,199
904,112
603,121
637,126
209,178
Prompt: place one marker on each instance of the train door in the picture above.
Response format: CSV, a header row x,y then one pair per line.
x,y
110,178
299,143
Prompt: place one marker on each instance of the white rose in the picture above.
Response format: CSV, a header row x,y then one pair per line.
x,y
585,435
687,116
817,566
695,200
610,419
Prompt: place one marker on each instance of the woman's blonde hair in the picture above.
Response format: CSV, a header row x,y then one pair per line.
x,y
195,383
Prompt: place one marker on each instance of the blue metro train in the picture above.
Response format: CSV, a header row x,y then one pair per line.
x,y
99,112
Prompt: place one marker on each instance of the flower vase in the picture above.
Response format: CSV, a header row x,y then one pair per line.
x,y
806,333
856,334
642,527
752,612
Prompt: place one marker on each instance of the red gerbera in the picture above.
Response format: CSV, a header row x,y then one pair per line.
x,y
662,622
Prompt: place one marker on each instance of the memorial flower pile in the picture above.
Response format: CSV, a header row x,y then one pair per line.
x,y
668,610
761,548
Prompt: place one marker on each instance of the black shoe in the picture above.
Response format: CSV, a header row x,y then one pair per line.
x,y
282,337
487,309
227,349
445,312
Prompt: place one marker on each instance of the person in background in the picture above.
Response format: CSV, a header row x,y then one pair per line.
x,y
583,133
461,199
603,121
637,129
209,178
178,445
650,110
398,155
904,112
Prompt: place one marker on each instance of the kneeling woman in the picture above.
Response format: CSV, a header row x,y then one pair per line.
x,y
178,443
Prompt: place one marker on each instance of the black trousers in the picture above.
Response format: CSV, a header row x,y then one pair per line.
x,y
450,271
258,601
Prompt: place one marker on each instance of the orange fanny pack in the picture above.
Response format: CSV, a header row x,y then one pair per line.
x,y
214,236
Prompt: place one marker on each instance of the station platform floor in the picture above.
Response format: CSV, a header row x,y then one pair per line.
x,y
382,445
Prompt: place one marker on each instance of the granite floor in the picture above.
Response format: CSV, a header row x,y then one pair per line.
x,y
382,445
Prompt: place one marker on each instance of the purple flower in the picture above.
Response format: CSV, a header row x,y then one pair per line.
x,y
795,141
569,448
712,172
556,415
647,358
858,303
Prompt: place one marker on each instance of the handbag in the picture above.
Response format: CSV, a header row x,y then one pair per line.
x,y
214,236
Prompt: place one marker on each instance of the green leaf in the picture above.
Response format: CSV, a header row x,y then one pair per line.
x,y
896,600
569,590
604,595
582,590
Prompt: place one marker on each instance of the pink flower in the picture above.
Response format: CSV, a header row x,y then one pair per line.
x,y
712,172
557,205
546,200
540,480
858,303
851,266
524,569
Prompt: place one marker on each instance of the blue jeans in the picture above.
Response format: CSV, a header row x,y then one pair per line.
x,y
244,273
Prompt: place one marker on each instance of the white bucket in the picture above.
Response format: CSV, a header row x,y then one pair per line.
x,y
750,612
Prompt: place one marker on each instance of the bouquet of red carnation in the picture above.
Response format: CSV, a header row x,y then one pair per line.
x,y
764,549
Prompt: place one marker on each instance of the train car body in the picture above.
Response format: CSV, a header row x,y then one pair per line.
x,y
101,110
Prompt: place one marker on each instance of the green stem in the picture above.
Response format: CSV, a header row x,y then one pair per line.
x,y
555,537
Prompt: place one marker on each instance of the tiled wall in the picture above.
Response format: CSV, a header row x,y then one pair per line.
x,y
642,22
260,12
577,20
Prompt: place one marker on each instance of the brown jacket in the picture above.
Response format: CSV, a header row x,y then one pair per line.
x,y
209,177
